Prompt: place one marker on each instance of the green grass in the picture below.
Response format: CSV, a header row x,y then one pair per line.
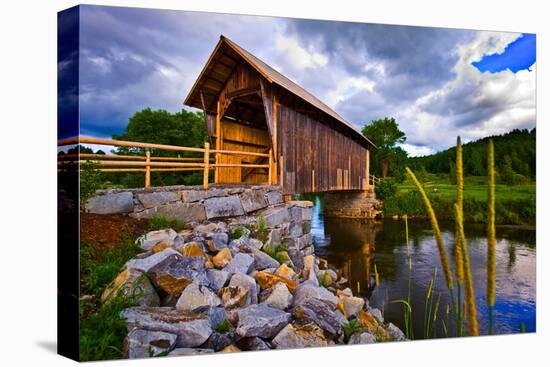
x,y
102,332
160,222
514,204
237,233
223,327
352,327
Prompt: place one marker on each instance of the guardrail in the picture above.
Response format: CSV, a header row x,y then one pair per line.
x,y
147,164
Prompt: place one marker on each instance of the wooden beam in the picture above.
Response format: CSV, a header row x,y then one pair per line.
x,y
367,168
242,92
218,142
206,163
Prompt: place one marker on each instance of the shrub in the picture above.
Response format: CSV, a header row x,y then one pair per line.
x,y
387,188
237,232
90,180
352,327
223,327
262,232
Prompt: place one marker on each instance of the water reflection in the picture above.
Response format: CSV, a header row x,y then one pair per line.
x,y
355,246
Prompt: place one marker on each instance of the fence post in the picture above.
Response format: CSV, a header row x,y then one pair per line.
x,y
206,165
147,168
270,169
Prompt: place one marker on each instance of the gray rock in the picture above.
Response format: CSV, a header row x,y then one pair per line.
x,y
174,274
189,351
277,296
152,238
295,229
241,263
217,278
218,207
377,314
274,236
395,333
134,283
309,269
152,199
274,197
262,260
296,256
248,283
191,330
114,203
319,312
362,338
146,343
190,196
204,229
184,212
252,343
216,240
257,244
261,320
307,290
253,200
352,305
300,336
236,296
164,257
276,216
195,296
219,341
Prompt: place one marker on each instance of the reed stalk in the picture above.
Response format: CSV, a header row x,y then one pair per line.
x,y
459,262
468,282
491,232
437,232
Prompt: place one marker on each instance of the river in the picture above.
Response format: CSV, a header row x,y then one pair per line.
x,y
355,247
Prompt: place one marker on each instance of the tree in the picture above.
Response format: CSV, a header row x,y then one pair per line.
x,y
385,134
162,127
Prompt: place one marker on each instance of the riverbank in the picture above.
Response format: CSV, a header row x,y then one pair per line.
x,y
229,285
514,204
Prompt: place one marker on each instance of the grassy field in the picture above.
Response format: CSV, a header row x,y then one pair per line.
x,y
514,204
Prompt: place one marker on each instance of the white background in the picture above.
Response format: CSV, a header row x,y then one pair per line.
x,y
28,179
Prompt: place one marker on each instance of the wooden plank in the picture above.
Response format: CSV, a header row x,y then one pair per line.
x,y
219,139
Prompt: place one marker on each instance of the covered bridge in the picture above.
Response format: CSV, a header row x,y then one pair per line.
x,y
249,106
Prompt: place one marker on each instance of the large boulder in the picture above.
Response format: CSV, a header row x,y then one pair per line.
x,y
228,206
247,282
192,330
132,283
300,336
395,333
216,240
195,296
352,305
262,260
174,276
241,263
276,216
252,343
192,249
319,312
261,320
277,296
111,203
146,343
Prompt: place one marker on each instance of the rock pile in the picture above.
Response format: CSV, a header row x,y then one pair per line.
x,y
198,292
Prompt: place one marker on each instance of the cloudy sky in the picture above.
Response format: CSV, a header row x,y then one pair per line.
x,y
438,83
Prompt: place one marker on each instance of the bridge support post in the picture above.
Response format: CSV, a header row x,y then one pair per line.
x,y
351,204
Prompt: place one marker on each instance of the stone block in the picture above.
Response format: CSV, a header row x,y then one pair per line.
x,y
114,203
152,199
223,207
253,200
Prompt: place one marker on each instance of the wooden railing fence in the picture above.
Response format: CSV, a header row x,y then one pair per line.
x,y
147,163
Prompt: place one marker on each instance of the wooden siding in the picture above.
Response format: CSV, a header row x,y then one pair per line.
x,y
243,138
313,154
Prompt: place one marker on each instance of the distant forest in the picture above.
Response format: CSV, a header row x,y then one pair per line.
x,y
515,157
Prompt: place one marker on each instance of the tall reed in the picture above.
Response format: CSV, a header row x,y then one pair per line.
x,y
459,262
469,285
437,231
491,232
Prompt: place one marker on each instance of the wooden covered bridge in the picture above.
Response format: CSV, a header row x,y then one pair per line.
x,y
249,106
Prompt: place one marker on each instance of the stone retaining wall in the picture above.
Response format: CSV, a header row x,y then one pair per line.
x,y
286,224
351,204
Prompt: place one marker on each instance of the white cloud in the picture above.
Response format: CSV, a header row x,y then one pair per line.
x,y
417,151
347,88
298,56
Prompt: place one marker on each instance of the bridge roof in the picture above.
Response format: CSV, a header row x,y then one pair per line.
x,y
221,63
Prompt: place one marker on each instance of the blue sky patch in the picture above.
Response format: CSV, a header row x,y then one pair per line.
x,y
518,55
